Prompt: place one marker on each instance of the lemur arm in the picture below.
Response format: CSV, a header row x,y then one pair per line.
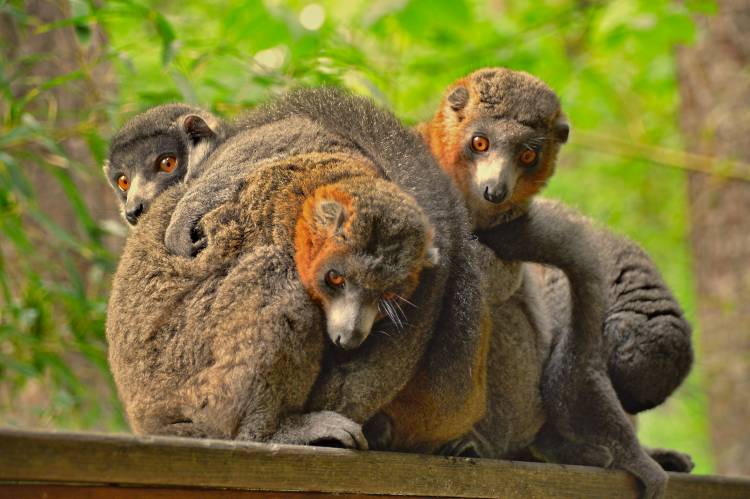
x,y
216,187
580,403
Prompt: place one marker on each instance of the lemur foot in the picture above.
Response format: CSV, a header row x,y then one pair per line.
x,y
552,447
470,445
379,432
652,477
324,428
671,460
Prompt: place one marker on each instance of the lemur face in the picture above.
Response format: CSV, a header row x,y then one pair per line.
x,y
497,134
360,250
141,171
155,150
501,154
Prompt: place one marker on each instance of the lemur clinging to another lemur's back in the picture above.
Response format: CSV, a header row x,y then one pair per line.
x,y
158,148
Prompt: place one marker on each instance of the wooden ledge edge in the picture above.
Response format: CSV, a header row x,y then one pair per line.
x,y
91,458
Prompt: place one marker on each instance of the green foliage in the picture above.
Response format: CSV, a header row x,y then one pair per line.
x,y
611,62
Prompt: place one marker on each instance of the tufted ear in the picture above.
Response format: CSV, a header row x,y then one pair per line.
x,y
458,98
330,215
562,129
196,128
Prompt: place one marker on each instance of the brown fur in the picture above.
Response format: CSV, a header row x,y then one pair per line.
x,y
215,353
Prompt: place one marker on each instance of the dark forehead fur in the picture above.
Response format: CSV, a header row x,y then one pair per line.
x,y
155,121
504,93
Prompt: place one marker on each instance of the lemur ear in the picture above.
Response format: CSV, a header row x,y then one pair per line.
x,y
562,129
331,215
458,98
433,257
197,128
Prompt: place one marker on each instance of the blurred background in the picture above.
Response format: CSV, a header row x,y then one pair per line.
x,y
657,92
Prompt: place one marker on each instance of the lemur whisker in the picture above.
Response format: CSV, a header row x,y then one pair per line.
x,y
406,301
393,314
401,310
384,333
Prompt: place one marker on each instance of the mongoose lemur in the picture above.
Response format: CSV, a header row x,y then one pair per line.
x,y
497,134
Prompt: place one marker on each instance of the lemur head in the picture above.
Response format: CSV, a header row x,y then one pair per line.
x,y
360,246
157,148
497,133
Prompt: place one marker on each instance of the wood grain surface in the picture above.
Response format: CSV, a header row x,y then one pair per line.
x,y
40,464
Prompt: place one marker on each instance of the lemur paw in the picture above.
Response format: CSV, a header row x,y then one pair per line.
x,y
178,242
460,447
324,428
672,460
379,432
198,246
653,479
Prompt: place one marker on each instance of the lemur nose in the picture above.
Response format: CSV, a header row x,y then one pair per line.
x,y
495,194
133,213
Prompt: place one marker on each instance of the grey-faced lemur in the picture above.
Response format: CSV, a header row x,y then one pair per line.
x,y
196,350
497,134
156,149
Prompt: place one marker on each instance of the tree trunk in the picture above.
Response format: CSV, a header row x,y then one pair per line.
x,y
715,120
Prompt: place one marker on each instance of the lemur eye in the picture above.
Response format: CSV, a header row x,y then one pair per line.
x,y
123,182
480,143
334,279
167,163
389,295
527,157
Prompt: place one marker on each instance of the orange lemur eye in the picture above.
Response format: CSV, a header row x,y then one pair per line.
x,y
389,295
167,163
334,279
123,182
527,157
480,143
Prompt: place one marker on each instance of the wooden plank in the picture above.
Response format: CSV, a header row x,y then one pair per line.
x,y
177,462
47,491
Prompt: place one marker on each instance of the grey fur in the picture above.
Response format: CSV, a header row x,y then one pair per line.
x,y
169,314
584,423
646,336
187,132
517,112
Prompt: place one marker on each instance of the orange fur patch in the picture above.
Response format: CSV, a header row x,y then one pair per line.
x,y
314,243
419,418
